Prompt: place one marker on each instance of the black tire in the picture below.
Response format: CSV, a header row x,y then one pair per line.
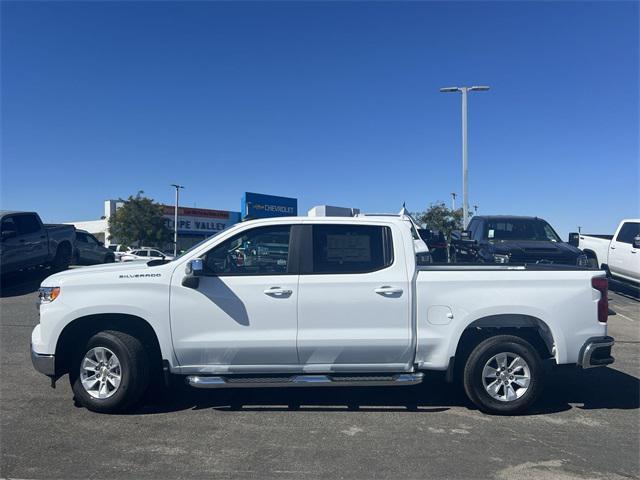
x,y
474,382
62,260
134,372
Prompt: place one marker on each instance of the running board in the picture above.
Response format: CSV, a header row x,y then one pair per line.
x,y
203,381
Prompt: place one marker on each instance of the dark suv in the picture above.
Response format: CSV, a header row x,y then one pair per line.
x,y
511,239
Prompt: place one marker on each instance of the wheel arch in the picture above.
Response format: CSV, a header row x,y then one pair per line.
x,y
528,327
591,254
82,328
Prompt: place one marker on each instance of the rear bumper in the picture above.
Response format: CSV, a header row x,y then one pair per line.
x,y
45,364
596,352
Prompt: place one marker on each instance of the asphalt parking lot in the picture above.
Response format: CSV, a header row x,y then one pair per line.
x,y
586,426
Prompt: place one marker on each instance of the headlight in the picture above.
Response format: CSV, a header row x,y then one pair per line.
x,y
48,294
500,258
582,261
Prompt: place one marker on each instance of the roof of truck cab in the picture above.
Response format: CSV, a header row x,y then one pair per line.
x,y
12,212
504,217
359,218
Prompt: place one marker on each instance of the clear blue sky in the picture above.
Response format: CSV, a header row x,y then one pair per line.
x,y
332,103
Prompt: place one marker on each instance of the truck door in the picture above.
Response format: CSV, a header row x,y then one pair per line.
x,y
34,247
624,260
354,298
243,313
12,250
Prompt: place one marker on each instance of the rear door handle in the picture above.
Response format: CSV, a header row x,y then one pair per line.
x,y
278,292
388,290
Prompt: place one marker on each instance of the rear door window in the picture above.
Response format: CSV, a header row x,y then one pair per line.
x,y
350,249
27,224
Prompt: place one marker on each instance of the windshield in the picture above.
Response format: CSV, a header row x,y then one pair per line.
x,y
520,229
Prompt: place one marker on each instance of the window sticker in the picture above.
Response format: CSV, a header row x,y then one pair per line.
x,y
492,233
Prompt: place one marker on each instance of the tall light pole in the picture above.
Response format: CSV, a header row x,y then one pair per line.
x,y
465,169
453,201
175,219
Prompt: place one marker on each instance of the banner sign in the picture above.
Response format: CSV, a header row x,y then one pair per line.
x,y
258,205
200,220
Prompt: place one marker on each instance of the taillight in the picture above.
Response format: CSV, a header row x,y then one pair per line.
x,y
601,284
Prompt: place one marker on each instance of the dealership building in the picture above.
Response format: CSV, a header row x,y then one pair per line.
x,y
196,224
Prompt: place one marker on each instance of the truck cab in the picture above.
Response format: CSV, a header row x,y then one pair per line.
x,y
617,254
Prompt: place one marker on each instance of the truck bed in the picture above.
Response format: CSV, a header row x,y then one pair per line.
x,y
556,300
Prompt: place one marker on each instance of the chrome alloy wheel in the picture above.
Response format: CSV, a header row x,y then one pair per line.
x,y
100,372
506,377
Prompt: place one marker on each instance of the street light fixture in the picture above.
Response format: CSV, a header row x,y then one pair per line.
x,y
175,219
465,169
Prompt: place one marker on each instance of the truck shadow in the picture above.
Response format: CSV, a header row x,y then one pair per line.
x,y
22,283
625,289
604,388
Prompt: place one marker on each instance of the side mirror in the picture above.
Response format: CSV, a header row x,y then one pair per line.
x,y
9,234
193,271
574,239
465,235
636,242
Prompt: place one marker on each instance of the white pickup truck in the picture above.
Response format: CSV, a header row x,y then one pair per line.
x,y
317,301
617,254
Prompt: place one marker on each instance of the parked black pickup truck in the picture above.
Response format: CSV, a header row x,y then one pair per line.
x,y
511,239
26,242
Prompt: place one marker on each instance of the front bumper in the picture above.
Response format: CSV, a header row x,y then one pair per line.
x,y
45,364
596,352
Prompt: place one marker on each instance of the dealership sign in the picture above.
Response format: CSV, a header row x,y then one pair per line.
x,y
200,221
258,205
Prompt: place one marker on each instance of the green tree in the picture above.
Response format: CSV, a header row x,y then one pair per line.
x,y
439,217
139,221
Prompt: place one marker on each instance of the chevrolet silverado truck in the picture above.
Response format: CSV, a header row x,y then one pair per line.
x,y
514,240
317,301
26,242
617,254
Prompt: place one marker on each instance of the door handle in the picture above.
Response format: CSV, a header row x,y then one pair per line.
x,y
387,290
278,292
613,248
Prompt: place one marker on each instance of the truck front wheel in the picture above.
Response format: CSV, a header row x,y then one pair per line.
x,y
110,373
503,375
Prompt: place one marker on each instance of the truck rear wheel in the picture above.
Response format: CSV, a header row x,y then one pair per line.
x,y
62,260
110,373
503,375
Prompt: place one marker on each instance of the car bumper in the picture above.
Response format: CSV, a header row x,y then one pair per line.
x,y
596,352
45,364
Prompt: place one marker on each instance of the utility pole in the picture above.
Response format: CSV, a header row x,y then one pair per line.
x,y
175,219
465,169
453,201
